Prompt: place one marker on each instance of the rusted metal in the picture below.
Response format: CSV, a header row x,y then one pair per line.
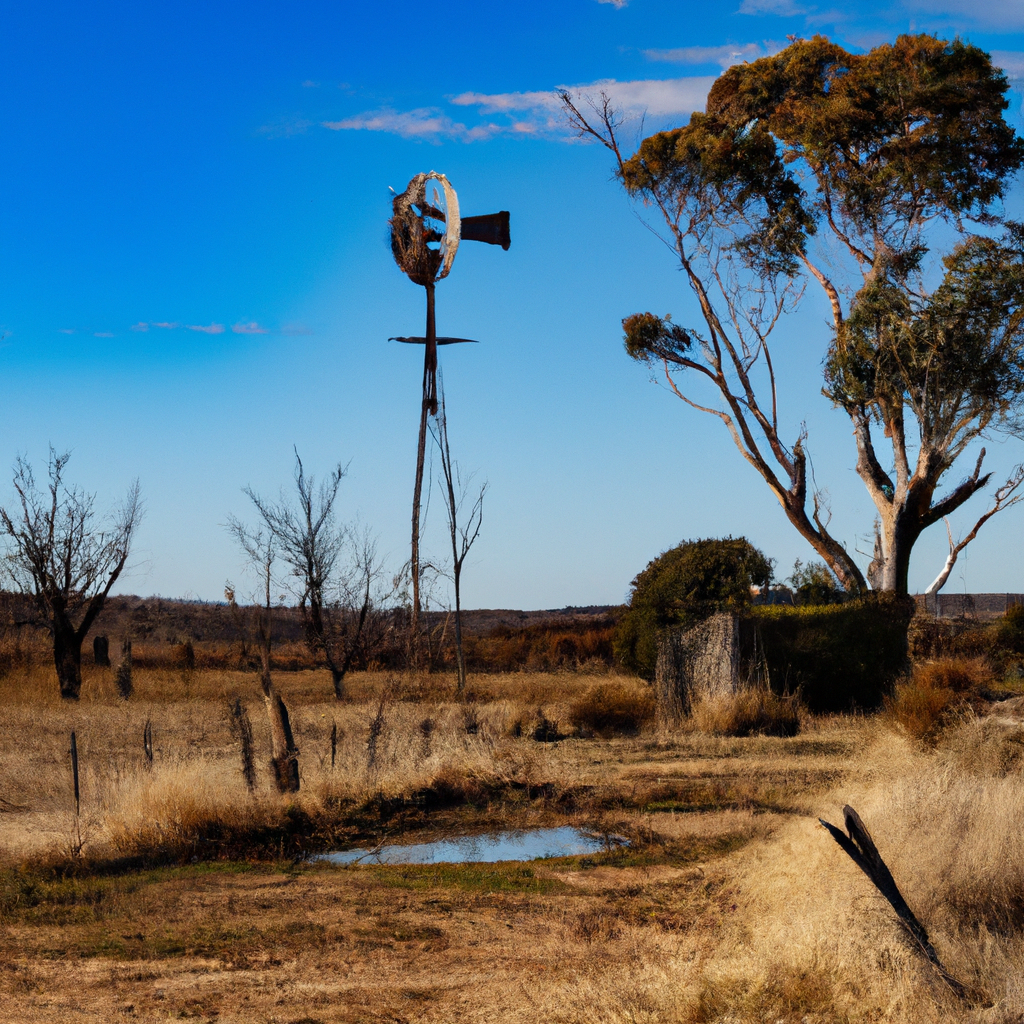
x,y
439,341
491,228
425,235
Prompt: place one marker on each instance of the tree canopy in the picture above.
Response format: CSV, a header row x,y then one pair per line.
x,y
877,177
683,585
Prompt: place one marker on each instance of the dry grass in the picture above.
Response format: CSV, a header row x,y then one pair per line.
x,y
753,711
733,904
613,707
938,693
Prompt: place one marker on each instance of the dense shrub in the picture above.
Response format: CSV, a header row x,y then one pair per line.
x,y
683,585
543,647
838,656
815,584
1009,630
612,707
938,693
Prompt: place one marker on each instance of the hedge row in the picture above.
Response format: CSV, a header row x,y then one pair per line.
x,y
838,656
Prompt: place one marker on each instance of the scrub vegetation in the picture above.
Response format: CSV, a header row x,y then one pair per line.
x,y
179,892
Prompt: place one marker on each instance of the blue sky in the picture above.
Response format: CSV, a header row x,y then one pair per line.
x,y
194,277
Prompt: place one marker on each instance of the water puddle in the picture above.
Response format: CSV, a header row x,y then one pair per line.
x,y
536,844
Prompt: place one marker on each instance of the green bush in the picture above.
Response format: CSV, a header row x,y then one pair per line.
x,y
837,656
681,586
1009,630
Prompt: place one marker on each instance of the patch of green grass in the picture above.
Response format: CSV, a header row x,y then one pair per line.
x,y
509,876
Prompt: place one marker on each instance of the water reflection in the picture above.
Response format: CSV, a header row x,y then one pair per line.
x,y
535,844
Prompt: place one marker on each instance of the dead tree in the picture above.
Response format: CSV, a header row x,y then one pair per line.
x,y
463,527
260,551
1003,499
66,560
334,570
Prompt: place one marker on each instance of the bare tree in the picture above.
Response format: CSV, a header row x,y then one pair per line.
x,y
463,528
65,557
1003,498
335,570
260,552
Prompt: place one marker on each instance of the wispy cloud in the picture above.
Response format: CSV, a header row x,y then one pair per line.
x,y
724,56
140,326
296,329
310,84
285,127
249,328
615,3
102,334
66,330
207,329
1012,62
999,15
784,8
429,123
166,325
538,112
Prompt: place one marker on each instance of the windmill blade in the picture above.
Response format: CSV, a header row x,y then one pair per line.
x,y
440,341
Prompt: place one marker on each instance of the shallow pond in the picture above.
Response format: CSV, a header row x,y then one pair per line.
x,y
534,844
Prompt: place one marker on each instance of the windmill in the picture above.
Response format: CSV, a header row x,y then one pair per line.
x,y
425,236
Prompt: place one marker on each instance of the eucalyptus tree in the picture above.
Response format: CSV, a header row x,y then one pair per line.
x,y
65,557
877,178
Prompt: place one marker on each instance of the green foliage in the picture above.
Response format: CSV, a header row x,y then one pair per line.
x,y
647,335
814,584
687,583
958,351
838,656
1010,629
883,153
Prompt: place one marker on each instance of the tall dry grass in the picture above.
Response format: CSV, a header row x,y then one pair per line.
x,y
397,740
811,940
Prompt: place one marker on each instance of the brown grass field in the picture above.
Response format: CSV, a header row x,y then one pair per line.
x,y
177,894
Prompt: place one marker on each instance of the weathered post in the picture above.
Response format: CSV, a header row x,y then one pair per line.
x,y
101,651
74,772
123,676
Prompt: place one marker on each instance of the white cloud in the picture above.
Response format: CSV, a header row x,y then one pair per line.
x,y
532,113
667,97
102,334
249,328
1000,15
310,84
66,330
140,326
208,329
424,123
670,97
725,56
1011,61
619,4
167,326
